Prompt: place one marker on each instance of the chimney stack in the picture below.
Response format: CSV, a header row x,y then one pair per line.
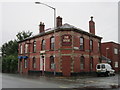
x,y
41,27
59,21
92,26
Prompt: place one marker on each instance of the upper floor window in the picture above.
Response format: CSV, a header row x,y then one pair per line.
x,y
21,49
81,43
26,48
115,51
34,62
91,45
43,45
52,41
82,62
34,46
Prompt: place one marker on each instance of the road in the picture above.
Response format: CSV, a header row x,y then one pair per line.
x,y
18,81
9,81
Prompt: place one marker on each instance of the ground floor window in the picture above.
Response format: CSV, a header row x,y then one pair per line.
x,y
100,60
34,62
25,63
51,62
82,62
91,63
116,64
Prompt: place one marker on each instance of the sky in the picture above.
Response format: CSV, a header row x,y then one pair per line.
x,y
23,16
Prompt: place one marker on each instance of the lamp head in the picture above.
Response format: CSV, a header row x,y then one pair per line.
x,y
37,2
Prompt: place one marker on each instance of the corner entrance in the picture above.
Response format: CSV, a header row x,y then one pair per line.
x,y
66,65
42,62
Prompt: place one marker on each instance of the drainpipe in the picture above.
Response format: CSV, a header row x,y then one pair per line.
x,y
89,56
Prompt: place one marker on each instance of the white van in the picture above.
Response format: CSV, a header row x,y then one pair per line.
x,y
104,69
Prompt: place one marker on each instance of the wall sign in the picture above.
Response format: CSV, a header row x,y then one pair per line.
x,y
66,40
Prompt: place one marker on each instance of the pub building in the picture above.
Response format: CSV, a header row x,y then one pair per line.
x,y
64,50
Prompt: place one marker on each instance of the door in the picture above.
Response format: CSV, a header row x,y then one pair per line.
x,y
42,62
66,65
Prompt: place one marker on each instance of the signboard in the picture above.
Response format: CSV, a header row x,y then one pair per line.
x,y
76,48
66,40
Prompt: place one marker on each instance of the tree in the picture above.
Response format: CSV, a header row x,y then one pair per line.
x,y
9,56
23,35
10,53
9,48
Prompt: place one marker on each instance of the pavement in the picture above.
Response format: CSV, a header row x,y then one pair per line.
x,y
21,81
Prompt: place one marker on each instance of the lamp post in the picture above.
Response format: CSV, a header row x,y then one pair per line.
x,y
54,12
54,25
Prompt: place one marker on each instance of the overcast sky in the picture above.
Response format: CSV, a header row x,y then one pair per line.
x,y
24,16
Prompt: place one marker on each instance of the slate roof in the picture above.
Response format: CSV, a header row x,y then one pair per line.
x,y
65,27
105,58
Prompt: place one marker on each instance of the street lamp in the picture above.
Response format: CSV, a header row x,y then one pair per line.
x,y
54,25
54,12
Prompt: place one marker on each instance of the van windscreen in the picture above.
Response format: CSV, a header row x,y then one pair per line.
x,y
103,66
98,66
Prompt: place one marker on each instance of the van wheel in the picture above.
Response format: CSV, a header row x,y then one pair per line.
x,y
114,74
98,75
107,74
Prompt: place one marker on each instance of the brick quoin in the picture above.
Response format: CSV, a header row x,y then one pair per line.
x,y
67,52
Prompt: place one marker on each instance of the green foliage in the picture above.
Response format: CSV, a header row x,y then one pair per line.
x,y
9,64
23,35
9,56
9,48
10,53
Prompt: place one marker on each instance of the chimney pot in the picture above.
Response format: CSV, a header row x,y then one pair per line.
x,y
41,27
91,18
92,26
59,21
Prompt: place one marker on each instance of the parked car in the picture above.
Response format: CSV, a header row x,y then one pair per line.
x,y
104,69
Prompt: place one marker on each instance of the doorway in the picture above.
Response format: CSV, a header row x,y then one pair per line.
x,y
42,62
66,65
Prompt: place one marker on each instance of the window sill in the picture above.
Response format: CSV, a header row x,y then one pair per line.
x,y
51,49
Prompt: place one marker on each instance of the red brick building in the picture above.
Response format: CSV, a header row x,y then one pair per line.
x,y
70,50
111,50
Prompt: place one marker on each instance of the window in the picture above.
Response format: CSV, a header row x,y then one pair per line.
x,y
103,66
115,51
43,45
25,63
21,49
116,64
91,45
99,46
26,48
82,62
98,66
100,60
81,43
91,63
52,41
34,46
34,62
51,62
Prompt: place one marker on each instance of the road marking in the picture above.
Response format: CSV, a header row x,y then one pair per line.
x,y
63,87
